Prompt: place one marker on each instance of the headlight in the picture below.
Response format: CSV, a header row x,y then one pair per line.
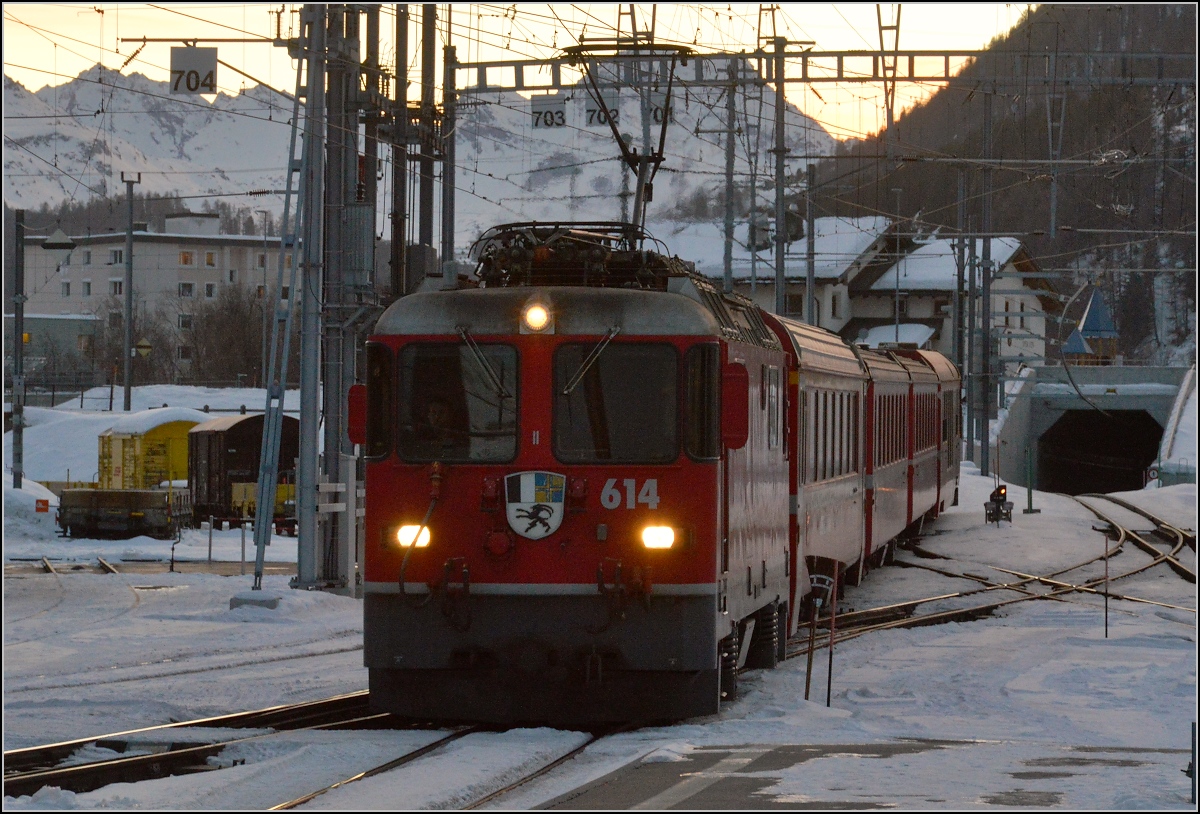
x,y
536,318
658,537
406,534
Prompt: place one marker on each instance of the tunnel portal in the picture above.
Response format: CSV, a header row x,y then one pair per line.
x,y
1089,451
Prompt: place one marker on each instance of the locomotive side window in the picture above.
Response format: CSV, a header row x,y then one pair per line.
x,y
623,409
450,408
772,385
381,409
702,409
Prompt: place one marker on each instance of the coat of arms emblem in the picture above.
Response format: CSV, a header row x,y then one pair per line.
x,y
534,503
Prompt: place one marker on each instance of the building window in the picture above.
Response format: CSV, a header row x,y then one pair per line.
x,y
87,257
210,290
116,256
184,352
210,259
835,306
1006,316
233,276
83,343
187,258
185,322
87,288
66,288
116,287
262,260
1022,313
260,291
187,289
284,293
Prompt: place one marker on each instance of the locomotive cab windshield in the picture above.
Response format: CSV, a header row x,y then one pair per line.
x,y
450,409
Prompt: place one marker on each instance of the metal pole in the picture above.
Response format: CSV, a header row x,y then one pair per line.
x,y
985,367
832,627
730,126
781,152
263,299
449,271
18,394
428,57
812,642
960,269
810,276
400,157
972,350
897,266
128,345
1029,482
310,320
1105,585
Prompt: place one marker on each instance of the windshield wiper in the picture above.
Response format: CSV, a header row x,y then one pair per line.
x,y
483,362
590,360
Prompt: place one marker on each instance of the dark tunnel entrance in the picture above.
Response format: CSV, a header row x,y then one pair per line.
x,y
1088,451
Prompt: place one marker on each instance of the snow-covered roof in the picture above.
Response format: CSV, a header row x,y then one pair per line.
x,y
882,334
837,242
146,420
933,266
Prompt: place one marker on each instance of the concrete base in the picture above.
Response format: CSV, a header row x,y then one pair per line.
x,y
259,599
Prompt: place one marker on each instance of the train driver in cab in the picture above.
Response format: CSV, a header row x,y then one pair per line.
x,y
438,435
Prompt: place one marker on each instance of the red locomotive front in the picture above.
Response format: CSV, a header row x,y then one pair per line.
x,y
549,531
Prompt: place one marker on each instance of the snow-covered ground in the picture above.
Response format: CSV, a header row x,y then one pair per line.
x,y
1039,705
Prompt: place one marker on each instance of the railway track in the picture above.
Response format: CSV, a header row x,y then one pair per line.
x,y
168,749
1176,538
904,615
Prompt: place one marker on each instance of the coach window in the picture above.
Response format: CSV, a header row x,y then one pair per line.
x,y
618,406
702,389
380,400
457,402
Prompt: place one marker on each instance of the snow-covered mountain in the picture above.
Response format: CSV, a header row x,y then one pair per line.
x,y
74,142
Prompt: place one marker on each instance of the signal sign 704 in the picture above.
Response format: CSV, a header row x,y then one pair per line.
x,y
194,70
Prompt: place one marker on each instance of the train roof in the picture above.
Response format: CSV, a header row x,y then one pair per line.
x,y
919,371
882,366
144,421
576,310
941,366
817,349
227,422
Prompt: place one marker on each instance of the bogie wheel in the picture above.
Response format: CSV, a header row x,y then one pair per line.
x,y
764,642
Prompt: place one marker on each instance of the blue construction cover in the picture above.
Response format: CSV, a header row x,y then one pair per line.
x,y
1097,322
1076,344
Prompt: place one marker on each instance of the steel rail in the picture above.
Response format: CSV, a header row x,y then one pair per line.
x,y
276,716
408,757
1159,556
1160,526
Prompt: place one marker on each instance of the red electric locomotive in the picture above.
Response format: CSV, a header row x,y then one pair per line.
x,y
582,468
